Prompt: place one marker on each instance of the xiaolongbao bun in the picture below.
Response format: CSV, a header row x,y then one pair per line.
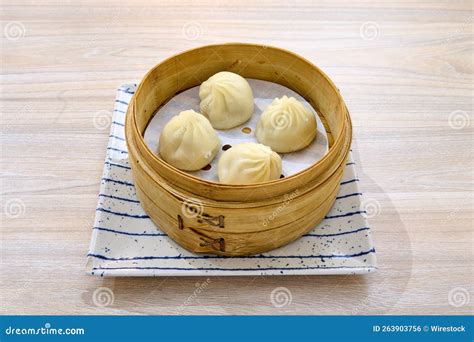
x,y
286,125
226,99
188,141
248,163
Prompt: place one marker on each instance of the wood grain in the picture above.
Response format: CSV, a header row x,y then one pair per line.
x,y
405,69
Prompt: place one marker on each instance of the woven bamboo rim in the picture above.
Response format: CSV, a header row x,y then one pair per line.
x,y
210,217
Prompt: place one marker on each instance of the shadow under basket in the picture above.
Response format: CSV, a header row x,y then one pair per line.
x,y
209,217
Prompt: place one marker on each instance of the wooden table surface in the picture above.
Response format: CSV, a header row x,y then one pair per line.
x,y
405,69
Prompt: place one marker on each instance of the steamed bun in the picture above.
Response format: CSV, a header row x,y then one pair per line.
x,y
248,163
226,99
286,125
188,141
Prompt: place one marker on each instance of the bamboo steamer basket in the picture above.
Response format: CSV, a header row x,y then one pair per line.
x,y
233,220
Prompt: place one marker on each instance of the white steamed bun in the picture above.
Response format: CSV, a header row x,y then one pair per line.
x,y
188,141
226,99
248,163
286,125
